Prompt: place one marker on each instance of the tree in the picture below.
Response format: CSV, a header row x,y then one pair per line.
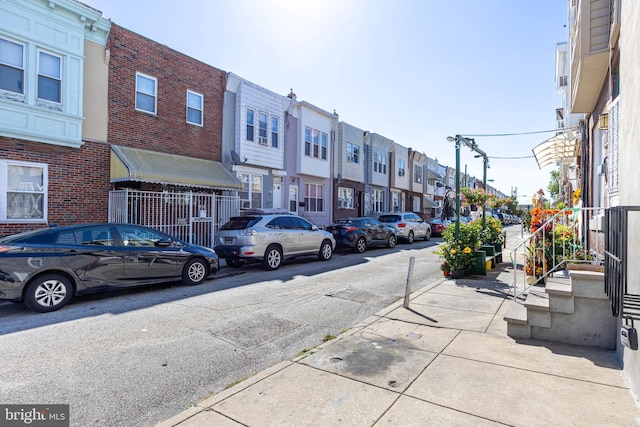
x,y
554,184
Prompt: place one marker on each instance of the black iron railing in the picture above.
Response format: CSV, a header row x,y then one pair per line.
x,y
616,274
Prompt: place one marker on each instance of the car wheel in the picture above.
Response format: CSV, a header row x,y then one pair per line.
x,y
361,245
235,263
48,292
194,272
428,235
272,258
326,251
391,241
410,237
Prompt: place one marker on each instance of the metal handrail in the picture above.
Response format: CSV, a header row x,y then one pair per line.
x,y
580,240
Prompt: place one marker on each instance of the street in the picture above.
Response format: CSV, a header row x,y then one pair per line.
x,y
137,357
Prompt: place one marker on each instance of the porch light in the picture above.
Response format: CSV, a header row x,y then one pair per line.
x,y
603,122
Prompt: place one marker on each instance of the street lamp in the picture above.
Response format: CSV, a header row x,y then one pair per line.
x,y
471,143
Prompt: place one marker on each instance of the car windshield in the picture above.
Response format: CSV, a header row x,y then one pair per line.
x,y
241,222
389,218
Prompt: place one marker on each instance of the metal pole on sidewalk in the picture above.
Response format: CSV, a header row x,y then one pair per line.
x,y
407,290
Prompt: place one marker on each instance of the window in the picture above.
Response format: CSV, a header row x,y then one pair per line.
x,y
251,193
316,143
377,198
194,108
324,146
401,167
23,191
11,66
416,204
353,153
275,130
250,124
146,93
314,197
262,128
307,141
380,162
345,197
417,173
49,77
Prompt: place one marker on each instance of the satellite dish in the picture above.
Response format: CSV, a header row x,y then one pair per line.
x,y
235,159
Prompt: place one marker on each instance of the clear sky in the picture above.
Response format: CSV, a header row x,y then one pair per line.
x,y
414,71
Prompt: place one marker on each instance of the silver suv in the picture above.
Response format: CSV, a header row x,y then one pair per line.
x,y
408,225
270,238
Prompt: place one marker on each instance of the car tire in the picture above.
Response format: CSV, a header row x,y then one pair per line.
x,y
410,237
272,258
234,263
427,236
48,292
361,245
326,251
194,272
391,241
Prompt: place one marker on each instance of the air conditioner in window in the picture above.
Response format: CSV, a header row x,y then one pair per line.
x,y
262,140
245,204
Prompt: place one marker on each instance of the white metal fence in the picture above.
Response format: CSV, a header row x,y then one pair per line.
x,y
192,217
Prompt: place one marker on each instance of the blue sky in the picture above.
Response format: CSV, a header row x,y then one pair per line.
x,y
414,71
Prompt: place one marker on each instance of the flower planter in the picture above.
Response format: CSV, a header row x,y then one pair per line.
x,y
457,274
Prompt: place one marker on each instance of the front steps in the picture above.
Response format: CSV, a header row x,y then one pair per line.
x,y
573,310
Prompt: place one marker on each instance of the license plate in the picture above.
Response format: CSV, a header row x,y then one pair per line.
x,y
228,239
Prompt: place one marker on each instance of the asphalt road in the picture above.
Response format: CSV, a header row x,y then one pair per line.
x,y
136,357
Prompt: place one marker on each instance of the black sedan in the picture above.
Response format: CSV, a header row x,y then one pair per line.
x,y
45,268
361,233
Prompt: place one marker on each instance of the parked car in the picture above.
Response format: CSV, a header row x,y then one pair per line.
x,y
438,225
360,233
270,237
408,225
46,267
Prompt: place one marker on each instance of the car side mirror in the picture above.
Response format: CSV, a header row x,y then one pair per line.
x,y
314,227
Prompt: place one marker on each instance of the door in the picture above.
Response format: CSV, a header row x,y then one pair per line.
x,y
293,199
277,195
145,261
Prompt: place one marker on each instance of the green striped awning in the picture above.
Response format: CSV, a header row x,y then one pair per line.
x,y
133,164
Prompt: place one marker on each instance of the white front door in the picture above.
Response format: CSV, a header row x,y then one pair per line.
x,y
277,195
293,199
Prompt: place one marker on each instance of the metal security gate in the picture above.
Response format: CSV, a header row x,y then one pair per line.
x,y
192,217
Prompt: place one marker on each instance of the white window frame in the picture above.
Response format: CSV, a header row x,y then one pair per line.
x,y
252,189
380,162
324,145
345,197
377,200
42,75
275,131
353,153
319,198
199,109
153,95
307,141
250,124
401,167
25,189
417,173
21,67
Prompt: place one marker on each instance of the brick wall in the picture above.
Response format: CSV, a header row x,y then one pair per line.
x,y
78,180
175,72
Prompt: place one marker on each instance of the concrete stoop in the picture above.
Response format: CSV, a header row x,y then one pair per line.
x,y
573,310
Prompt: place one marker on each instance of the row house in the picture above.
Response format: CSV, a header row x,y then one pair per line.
x,y
377,154
310,140
349,171
417,182
253,142
53,114
434,190
399,178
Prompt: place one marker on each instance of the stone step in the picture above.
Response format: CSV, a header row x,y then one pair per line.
x,y
559,286
537,300
516,314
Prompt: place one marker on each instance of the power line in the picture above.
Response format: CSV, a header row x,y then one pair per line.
x,y
516,134
509,158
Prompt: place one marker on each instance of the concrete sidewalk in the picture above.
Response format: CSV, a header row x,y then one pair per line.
x,y
444,361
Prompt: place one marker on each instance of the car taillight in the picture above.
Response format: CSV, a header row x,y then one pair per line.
x,y
6,248
248,232
402,225
349,229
